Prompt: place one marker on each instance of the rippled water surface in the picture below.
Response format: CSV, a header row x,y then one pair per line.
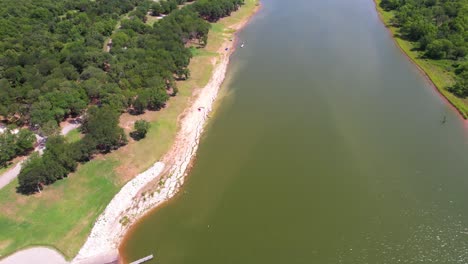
x,y
330,148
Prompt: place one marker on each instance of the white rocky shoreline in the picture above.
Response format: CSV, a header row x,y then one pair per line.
x,y
131,203
127,206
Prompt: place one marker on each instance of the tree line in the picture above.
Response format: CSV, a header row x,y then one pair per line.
x,y
439,28
72,74
48,48
102,135
13,144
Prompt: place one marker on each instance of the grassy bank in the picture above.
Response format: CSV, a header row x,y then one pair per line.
x,y
438,71
62,215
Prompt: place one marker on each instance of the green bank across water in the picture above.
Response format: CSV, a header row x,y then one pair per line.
x,y
330,147
436,70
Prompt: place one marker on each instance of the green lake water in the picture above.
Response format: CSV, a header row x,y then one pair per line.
x,y
328,148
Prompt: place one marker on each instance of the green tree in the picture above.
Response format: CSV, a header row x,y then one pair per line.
x,y
460,88
157,9
83,149
439,49
141,103
50,128
25,140
58,150
157,98
7,147
31,178
102,125
141,128
41,113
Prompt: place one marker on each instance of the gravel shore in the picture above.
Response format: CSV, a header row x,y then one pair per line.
x,y
131,203
128,205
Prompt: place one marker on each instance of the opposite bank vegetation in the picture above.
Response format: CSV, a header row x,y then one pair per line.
x,y
434,35
62,215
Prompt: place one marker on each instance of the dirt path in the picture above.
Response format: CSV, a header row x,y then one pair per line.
x,y
69,126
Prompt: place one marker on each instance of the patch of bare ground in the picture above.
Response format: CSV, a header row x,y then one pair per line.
x,y
127,120
4,244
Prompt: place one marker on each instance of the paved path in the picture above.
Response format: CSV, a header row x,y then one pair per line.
x,y
12,173
36,255
69,127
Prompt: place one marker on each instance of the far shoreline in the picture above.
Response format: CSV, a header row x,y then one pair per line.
x,y
439,90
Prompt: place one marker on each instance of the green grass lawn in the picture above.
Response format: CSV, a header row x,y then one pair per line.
x,y
73,136
438,71
201,52
62,215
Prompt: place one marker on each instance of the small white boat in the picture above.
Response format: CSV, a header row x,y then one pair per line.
x,y
243,44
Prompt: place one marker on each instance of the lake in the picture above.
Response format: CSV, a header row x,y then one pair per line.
x,y
330,147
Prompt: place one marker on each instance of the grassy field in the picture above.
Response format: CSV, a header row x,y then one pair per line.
x,y
73,136
438,71
62,215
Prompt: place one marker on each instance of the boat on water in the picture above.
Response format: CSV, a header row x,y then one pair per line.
x,y
243,44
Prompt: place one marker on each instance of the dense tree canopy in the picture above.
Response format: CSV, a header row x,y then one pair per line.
x,y
15,144
54,63
102,125
45,47
440,29
213,10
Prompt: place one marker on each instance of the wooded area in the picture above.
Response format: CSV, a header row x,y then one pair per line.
x,y
439,27
52,65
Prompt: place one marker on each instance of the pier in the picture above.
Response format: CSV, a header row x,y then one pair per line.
x,y
150,257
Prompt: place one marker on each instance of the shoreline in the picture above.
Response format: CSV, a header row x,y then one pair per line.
x,y
130,204
426,75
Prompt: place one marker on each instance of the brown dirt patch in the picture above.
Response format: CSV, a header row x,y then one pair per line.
x,y
127,120
4,244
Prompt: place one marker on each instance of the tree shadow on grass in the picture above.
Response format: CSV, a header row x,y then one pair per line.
x,y
136,136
